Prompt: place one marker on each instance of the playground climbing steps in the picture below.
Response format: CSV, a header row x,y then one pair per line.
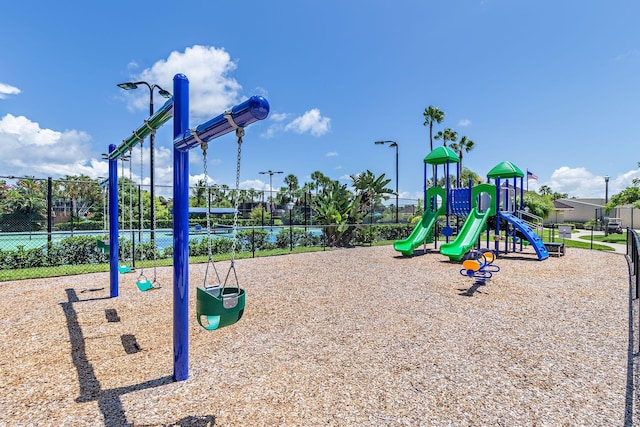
x,y
529,233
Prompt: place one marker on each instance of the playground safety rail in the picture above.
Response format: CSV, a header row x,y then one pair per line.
x,y
534,221
633,252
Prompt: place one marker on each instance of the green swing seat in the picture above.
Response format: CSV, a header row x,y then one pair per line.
x,y
103,246
217,307
145,284
123,268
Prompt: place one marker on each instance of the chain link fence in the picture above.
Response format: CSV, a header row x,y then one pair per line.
x,y
59,227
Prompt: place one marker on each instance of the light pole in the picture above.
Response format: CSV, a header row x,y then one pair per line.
x,y
270,173
393,144
165,94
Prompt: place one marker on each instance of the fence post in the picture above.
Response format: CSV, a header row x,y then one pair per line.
x,y
49,212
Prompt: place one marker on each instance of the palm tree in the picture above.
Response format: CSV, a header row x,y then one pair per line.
x,y
545,190
432,114
292,182
372,189
26,204
465,145
198,193
292,188
320,180
447,135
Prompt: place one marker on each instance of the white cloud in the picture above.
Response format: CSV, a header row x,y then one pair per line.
x,y
45,152
627,55
211,89
464,123
331,154
312,122
272,130
6,89
581,183
256,184
278,117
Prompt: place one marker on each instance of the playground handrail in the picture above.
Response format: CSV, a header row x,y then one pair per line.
x,y
633,252
532,220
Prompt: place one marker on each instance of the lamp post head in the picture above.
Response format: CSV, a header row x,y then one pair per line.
x,y
164,93
290,206
606,178
128,85
391,143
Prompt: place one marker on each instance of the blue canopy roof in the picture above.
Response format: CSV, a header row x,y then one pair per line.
x,y
212,211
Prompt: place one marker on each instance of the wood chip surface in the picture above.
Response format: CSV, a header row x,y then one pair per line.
x,y
348,337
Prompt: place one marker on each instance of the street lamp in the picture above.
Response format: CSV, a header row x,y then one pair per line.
x,y
393,144
271,173
165,94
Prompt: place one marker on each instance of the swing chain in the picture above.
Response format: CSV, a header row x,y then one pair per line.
x,y
131,254
140,225
204,147
155,255
234,241
239,134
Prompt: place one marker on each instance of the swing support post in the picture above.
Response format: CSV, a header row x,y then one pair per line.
x,y
180,233
113,224
254,109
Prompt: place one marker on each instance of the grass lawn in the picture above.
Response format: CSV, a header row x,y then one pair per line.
x,y
69,270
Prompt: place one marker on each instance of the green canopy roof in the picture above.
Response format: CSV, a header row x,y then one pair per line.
x,y
441,155
505,170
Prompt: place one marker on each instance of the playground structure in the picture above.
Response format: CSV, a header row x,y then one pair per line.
x,y
481,206
232,299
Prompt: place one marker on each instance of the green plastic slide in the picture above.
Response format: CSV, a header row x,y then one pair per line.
x,y
467,236
418,235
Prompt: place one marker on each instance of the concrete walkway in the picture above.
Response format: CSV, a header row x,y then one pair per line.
x,y
576,235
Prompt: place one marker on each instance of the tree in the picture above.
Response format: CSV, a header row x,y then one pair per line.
x,y
545,190
291,181
447,135
82,191
4,195
628,196
467,174
371,189
25,206
432,114
540,205
320,180
290,191
465,145
198,194
341,210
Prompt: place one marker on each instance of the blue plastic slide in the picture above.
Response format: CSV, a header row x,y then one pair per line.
x,y
530,235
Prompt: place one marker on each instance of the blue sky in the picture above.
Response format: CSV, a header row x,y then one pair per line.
x,y
549,85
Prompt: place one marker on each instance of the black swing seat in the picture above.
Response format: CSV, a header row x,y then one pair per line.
x,y
217,307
